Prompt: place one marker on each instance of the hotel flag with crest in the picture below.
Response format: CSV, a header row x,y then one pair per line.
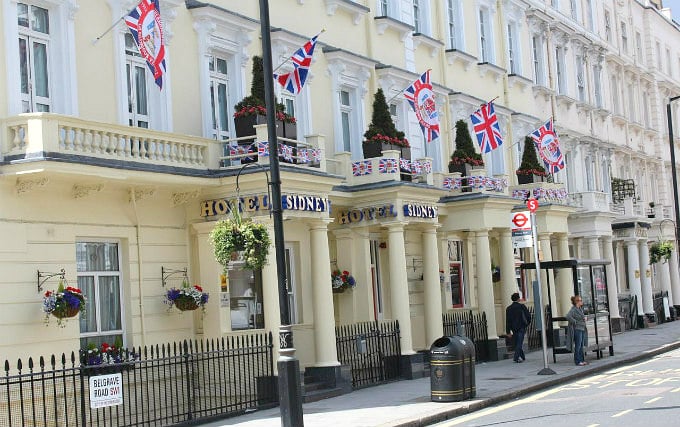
x,y
144,23
302,60
485,125
421,98
548,146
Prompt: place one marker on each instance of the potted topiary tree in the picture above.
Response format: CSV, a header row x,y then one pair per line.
x,y
251,110
530,170
382,134
464,157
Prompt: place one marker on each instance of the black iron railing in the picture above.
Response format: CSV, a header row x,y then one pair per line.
x,y
533,335
162,385
629,312
372,350
474,327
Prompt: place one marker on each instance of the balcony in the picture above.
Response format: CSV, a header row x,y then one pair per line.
x,y
590,201
28,138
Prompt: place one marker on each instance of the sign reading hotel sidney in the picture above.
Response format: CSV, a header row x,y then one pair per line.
x,y
366,214
291,202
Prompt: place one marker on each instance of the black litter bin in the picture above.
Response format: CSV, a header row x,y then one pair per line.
x,y
452,369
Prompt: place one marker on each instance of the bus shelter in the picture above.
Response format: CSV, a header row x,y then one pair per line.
x,y
589,280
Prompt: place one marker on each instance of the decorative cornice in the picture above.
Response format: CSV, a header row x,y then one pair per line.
x,y
24,185
80,190
141,194
181,198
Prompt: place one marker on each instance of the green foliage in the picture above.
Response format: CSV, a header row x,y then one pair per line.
x,y
256,97
660,251
235,235
381,128
465,149
530,163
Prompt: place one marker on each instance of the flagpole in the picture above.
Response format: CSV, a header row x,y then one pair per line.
x,y
122,18
402,91
290,58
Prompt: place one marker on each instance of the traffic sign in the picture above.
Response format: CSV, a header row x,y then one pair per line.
x,y
532,204
520,221
521,230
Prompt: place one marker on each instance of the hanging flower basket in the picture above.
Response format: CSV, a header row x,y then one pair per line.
x,y
187,297
660,251
65,303
234,235
341,281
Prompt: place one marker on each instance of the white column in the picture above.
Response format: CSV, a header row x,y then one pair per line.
x,y
645,282
546,250
675,277
434,326
484,282
593,247
565,281
663,268
508,281
399,300
634,273
612,285
324,323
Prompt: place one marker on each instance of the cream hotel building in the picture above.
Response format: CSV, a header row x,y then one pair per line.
x,y
119,183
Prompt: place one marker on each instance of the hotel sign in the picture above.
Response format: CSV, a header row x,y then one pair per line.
x,y
366,214
420,211
291,202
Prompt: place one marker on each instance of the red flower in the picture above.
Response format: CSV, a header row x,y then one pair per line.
x,y
198,288
47,294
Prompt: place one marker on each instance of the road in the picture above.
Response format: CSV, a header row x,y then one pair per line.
x,y
634,395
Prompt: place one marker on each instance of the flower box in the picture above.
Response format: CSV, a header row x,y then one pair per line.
x,y
243,126
464,169
528,179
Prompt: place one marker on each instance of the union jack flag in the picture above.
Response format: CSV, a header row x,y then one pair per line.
x,y
315,154
362,167
485,125
405,165
448,182
145,25
303,155
302,59
421,98
427,166
416,167
263,149
548,146
457,183
286,151
388,166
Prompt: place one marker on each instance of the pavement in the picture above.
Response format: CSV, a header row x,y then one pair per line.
x,y
408,403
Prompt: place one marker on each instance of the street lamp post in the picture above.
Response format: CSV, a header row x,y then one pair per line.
x,y
669,116
290,400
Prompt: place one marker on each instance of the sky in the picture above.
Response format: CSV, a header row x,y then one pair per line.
x,y
675,7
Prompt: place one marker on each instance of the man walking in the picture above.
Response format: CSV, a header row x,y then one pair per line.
x,y
517,318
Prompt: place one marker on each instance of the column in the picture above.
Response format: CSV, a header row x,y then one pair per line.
x,y
645,282
484,283
612,283
353,254
675,277
549,278
434,326
634,273
270,294
215,320
663,268
324,323
399,300
593,247
565,284
508,281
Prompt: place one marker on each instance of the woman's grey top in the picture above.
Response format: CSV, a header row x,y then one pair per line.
x,y
577,318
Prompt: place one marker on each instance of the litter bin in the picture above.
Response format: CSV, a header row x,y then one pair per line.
x,y
452,369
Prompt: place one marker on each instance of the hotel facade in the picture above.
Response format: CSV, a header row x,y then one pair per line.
x,y
119,182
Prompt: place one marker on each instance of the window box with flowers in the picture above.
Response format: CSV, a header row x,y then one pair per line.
x,y
251,111
238,238
464,157
63,304
186,298
530,170
342,281
107,358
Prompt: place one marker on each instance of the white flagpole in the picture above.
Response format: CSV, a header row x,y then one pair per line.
x,y
113,26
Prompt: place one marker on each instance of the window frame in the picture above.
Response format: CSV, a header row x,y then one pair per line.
x,y
218,78
455,25
96,300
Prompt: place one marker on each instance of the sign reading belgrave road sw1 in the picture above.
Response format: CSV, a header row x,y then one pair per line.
x,y
521,230
106,390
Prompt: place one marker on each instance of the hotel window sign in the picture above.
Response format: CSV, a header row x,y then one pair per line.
x,y
410,210
256,203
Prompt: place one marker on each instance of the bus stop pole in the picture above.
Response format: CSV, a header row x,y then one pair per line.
x,y
539,312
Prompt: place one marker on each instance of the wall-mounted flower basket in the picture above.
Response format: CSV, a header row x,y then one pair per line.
x,y
342,281
63,304
186,298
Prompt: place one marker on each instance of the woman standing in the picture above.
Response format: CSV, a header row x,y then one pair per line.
x,y
577,323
